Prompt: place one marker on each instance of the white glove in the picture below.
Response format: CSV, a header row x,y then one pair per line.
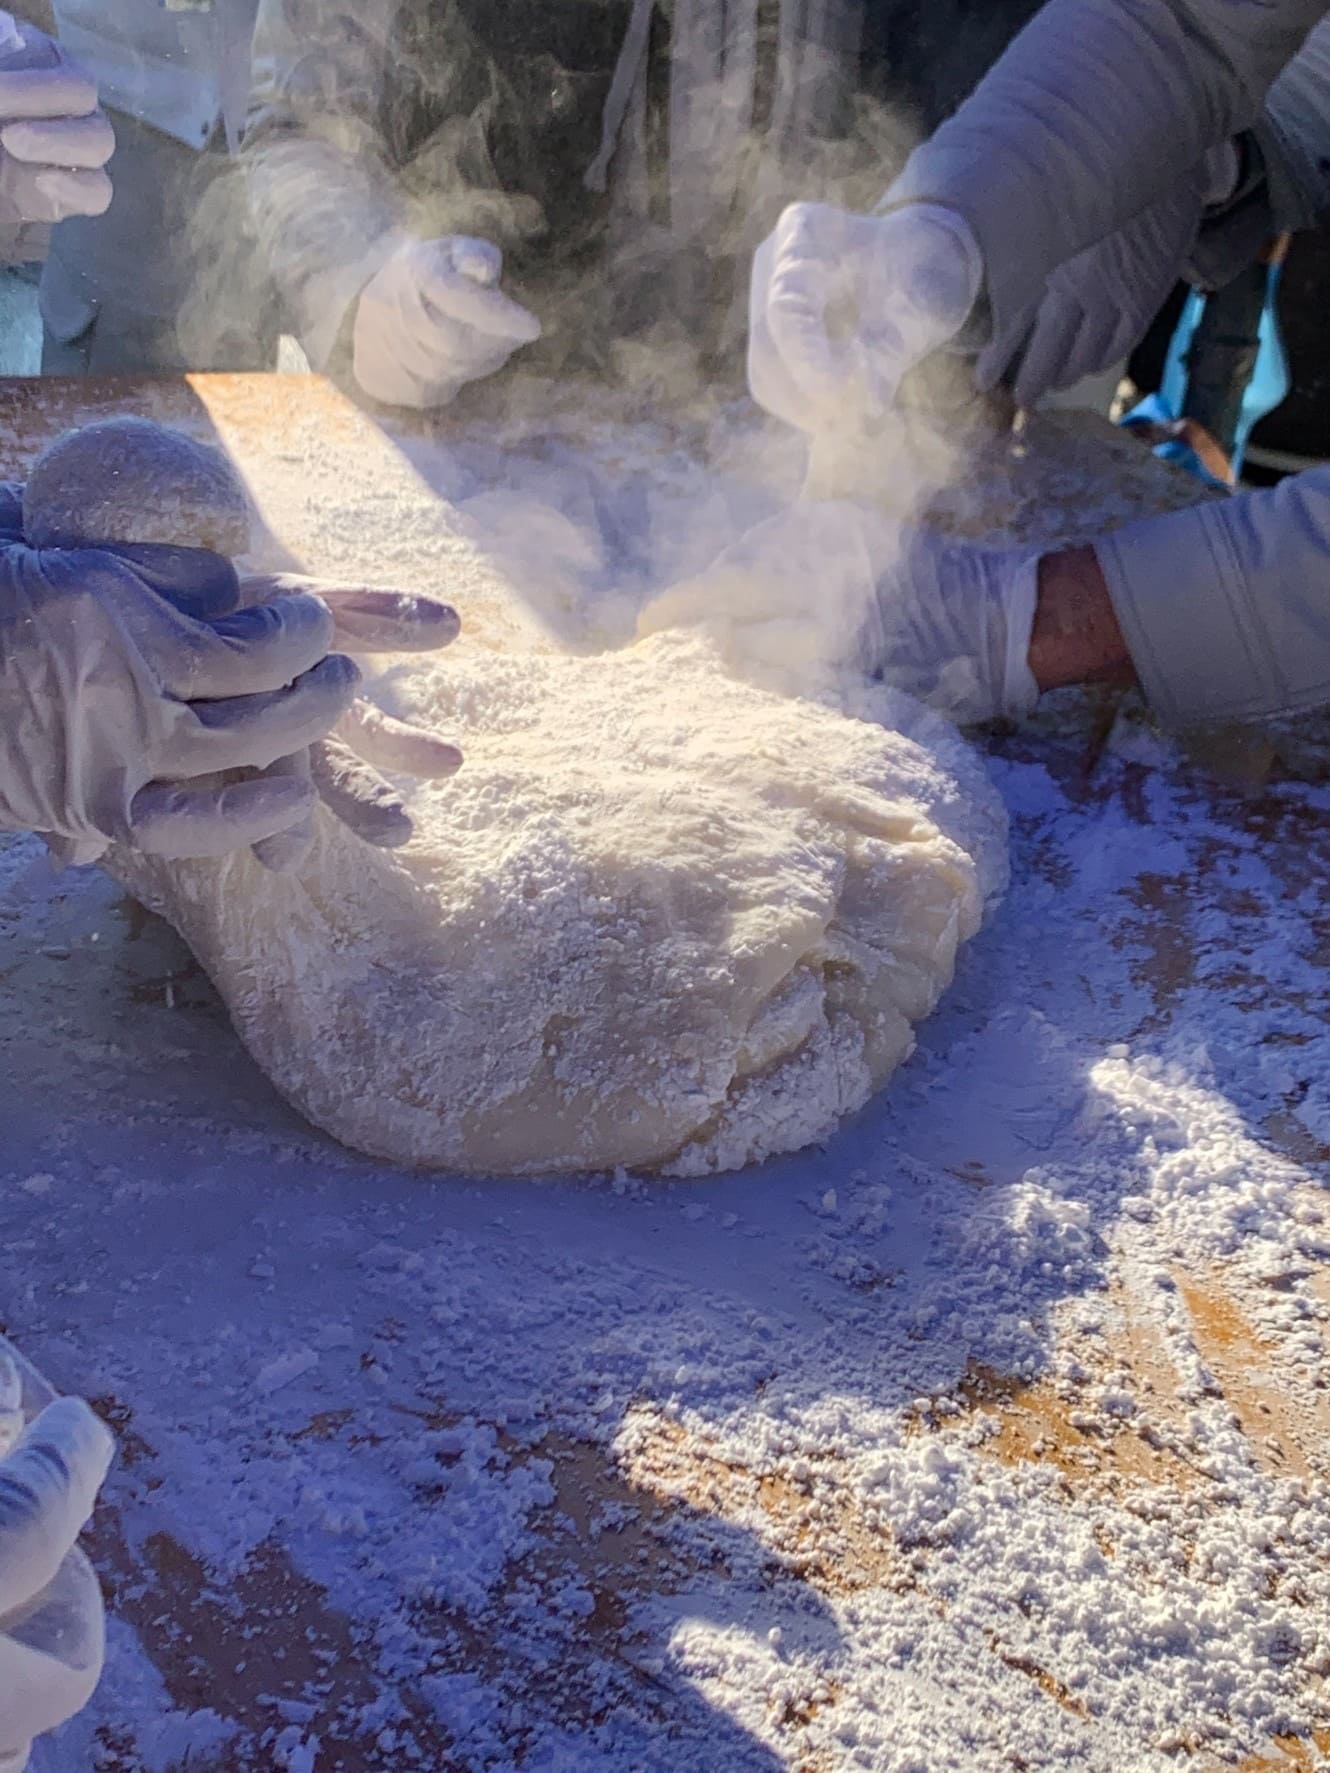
x,y
843,306
344,768
433,319
952,624
54,142
1098,305
51,1621
829,589
113,702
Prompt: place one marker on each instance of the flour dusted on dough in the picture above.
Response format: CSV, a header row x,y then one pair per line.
x,y
662,919
129,480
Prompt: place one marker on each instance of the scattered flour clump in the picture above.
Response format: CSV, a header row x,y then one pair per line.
x,y
128,480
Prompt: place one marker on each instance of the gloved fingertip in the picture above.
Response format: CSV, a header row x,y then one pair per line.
x,y
480,260
336,676
529,329
385,828
97,194
392,621
338,669
73,1432
988,369
434,621
433,759
286,851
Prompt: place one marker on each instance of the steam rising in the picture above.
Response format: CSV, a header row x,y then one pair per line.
x,y
484,120
425,120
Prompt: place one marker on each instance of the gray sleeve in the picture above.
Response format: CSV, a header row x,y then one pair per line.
x,y
1294,136
1065,138
1226,606
323,196
1288,187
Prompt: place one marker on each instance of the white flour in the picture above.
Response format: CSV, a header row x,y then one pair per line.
x,y
659,919
662,919
737,1475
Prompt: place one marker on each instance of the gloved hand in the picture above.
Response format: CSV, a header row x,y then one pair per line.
x,y
433,319
951,625
829,589
1097,306
342,767
51,1620
54,141
843,306
113,702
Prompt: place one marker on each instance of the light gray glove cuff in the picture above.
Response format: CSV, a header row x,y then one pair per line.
x,y
1020,692
82,712
952,626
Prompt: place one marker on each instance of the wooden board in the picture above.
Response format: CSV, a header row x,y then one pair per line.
x,y
232,1640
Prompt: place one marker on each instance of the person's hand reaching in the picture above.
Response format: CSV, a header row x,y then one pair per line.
x,y
54,140
125,717
843,306
1097,307
118,660
432,319
827,591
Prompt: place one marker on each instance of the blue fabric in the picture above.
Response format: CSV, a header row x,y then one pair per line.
x,y
1267,389
1156,410
1270,382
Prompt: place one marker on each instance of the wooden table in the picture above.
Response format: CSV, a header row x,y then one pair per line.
x,y
230,1641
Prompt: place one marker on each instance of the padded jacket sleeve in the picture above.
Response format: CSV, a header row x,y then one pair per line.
x,y
1064,139
1226,606
323,194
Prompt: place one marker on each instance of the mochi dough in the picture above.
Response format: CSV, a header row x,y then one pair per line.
x,y
663,919
129,480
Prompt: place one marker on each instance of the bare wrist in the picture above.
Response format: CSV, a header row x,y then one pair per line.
x,y
1076,637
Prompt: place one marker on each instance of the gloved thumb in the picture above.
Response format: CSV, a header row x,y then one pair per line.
x,y
464,288
200,584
